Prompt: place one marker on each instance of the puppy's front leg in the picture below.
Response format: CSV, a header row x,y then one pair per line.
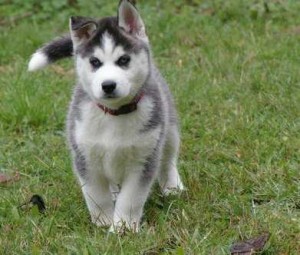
x,y
130,202
99,200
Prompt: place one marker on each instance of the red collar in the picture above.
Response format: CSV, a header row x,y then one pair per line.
x,y
125,109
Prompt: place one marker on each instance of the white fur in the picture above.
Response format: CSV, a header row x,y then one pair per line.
x,y
38,61
115,149
116,152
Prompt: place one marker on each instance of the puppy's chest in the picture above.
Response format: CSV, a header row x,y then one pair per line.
x,y
115,145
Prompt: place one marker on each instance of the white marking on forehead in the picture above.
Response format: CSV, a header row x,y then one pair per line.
x,y
108,44
109,52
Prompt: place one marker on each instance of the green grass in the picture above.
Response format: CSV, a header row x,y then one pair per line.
x,y
233,67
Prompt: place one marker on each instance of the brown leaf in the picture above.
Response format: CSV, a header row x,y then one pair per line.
x,y
7,228
294,30
250,246
5,69
4,178
238,154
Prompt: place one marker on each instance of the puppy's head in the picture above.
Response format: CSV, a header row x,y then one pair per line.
x,y
112,55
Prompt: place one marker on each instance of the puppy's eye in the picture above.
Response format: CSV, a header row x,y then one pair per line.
x,y
95,62
123,61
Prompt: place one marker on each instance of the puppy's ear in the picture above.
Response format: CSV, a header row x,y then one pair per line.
x,y
130,20
81,29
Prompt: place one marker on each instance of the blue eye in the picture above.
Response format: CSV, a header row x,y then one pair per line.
x,y
95,62
123,61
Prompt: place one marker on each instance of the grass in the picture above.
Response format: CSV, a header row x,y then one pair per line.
x,y
233,68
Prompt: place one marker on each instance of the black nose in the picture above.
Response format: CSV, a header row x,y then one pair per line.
x,y
108,86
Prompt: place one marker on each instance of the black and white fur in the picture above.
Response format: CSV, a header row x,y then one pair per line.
x,y
123,154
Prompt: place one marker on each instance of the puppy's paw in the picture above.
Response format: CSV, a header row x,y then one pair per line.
x,y
169,190
101,221
121,228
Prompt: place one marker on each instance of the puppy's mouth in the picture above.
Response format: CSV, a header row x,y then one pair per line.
x,y
110,96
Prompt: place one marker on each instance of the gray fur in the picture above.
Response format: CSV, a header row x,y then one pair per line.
x,y
153,163
59,48
74,115
152,87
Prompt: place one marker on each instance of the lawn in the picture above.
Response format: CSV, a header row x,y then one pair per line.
x,y
233,67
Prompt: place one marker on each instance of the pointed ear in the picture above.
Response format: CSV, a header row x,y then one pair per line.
x,y
81,29
130,20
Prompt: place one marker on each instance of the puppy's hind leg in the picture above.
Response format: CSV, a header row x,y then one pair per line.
x,y
169,178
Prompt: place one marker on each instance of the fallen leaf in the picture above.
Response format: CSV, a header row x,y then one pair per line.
x,y
179,63
238,154
5,178
55,203
294,30
5,69
250,246
7,228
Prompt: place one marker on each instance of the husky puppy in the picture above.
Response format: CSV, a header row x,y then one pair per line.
x,y
122,126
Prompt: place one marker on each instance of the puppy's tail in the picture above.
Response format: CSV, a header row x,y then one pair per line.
x,y
55,50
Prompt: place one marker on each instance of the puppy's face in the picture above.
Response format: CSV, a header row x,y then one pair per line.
x,y
111,73
112,55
